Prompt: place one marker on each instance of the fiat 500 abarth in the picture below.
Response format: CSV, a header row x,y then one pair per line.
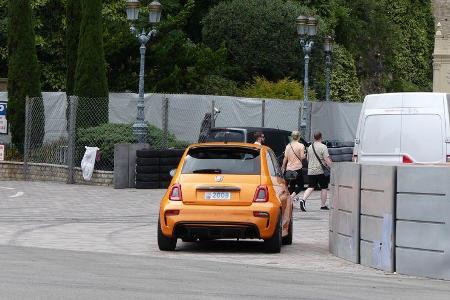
x,y
226,191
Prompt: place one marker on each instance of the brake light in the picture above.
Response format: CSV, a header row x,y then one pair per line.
x,y
407,159
260,214
262,194
175,193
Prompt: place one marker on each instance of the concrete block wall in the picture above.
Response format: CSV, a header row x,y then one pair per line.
x,y
423,221
48,172
378,185
345,208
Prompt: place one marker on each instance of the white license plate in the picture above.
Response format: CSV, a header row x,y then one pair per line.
x,y
217,195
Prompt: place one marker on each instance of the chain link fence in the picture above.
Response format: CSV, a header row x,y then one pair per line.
x,y
57,129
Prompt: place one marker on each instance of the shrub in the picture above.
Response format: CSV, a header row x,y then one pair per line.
x,y
286,88
107,135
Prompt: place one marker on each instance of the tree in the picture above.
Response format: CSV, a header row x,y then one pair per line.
x,y
23,74
73,16
259,34
90,75
344,85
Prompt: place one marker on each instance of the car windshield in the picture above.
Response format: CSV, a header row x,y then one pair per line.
x,y
222,160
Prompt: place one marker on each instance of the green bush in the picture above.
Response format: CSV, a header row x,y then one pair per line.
x,y
288,89
107,135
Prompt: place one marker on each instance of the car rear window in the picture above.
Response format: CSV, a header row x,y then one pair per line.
x,y
224,160
226,136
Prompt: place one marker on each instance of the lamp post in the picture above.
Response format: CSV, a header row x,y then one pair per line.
x,y
306,30
328,49
139,127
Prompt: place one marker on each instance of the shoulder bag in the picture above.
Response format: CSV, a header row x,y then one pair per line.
x,y
326,170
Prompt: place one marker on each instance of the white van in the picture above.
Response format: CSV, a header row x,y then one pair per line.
x,y
404,128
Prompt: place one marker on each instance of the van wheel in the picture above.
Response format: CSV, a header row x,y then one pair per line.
x,y
273,244
165,243
287,240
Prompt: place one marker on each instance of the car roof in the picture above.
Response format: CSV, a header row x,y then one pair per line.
x,y
262,129
227,144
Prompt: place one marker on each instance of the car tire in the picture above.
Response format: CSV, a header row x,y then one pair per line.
x,y
147,153
165,243
166,169
147,177
169,160
147,185
140,161
287,240
147,170
273,244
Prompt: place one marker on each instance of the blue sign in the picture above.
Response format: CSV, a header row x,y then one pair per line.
x,y
3,121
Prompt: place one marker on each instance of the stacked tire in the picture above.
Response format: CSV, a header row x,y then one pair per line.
x,y
147,169
340,151
153,167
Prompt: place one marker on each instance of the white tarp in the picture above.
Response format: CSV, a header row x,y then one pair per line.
x,y
337,121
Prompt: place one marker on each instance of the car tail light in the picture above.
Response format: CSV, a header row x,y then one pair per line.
x,y
175,193
407,159
262,194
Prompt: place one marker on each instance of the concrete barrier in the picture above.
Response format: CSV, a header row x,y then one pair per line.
x,y
423,221
378,186
345,211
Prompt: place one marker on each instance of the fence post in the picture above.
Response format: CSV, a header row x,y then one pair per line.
x,y
165,122
263,112
26,144
71,134
213,112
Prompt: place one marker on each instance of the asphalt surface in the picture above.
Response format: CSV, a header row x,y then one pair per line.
x,y
62,241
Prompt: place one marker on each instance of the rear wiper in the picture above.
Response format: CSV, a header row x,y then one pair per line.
x,y
212,171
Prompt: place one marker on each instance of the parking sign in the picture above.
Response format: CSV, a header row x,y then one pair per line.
x,y
3,121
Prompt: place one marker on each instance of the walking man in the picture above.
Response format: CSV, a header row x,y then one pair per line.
x,y
318,161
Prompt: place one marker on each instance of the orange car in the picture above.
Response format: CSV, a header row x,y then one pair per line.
x,y
223,191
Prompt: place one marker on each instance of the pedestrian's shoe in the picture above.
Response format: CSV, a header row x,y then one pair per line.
x,y
324,208
302,205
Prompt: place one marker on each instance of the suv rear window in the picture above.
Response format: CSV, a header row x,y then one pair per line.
x,y
226,135
226,160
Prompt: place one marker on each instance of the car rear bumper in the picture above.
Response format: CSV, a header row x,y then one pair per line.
x,y
199,221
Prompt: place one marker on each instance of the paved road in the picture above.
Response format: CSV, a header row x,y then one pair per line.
x,y
121,225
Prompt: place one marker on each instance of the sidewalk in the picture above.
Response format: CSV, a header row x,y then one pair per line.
x,y
102,219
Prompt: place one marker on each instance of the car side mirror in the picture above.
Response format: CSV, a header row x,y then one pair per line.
x,y
172,172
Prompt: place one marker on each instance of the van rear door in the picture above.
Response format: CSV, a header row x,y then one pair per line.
x,y
380,137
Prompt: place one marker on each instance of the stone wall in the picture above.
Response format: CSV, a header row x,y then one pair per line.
x,y
47,172
441,55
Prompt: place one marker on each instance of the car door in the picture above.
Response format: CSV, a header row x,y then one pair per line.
x,y
280,187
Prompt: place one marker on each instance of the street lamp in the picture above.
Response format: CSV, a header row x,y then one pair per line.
x,y
306,30
328,49
132,9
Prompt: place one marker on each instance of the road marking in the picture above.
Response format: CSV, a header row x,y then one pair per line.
x,y
6,188
18,194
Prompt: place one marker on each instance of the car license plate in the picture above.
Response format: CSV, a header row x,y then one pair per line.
x,y
217,195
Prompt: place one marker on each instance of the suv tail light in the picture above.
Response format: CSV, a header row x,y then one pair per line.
x,y
262,194
407,159
175,193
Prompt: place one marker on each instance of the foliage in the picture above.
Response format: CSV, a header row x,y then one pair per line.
x,y
107,135
73,16
90,75
344,84
286,88
23,74
259,34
